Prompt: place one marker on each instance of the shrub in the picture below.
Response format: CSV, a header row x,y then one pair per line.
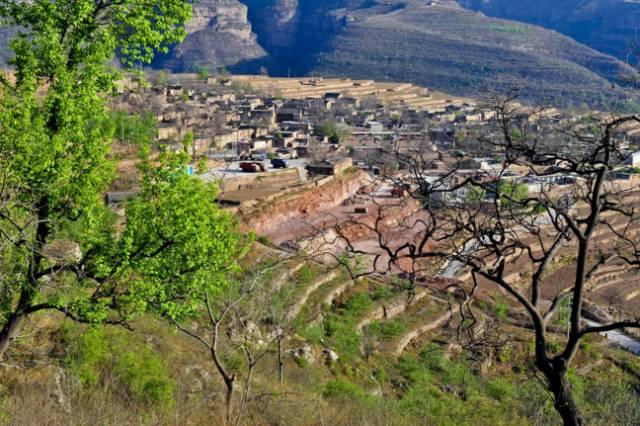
x,y
98,355
500,309
344,336
342,389
500,389
358,304
388,330
382,292
305,275
313,333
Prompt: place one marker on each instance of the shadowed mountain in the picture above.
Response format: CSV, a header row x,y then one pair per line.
x,y
606,25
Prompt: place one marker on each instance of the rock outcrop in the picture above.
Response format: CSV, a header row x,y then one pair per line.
x,y
219,34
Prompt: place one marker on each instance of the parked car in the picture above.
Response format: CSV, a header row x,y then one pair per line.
x,y
397,192
260,156
252,167
286,153
278,163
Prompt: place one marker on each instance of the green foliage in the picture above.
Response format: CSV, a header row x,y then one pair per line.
x,y
177,240
358,304
388,330
202,166
382,292
336,132
512,194
301,362
98,355
313,333
133,129
305,275
203,73
500,308
55,137
475,195
343,336
341,389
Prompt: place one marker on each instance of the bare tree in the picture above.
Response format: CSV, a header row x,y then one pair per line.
x,y
484,221
241,323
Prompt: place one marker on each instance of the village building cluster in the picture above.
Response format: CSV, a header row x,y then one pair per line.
x,y
257,124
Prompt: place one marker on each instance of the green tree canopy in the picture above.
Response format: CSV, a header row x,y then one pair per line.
x,y
55,137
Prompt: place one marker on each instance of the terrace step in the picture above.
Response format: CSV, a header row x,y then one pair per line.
x,y
419,317
431,325
388,309
284,276
297,306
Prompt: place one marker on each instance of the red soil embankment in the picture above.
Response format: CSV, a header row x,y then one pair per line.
x,y
284,215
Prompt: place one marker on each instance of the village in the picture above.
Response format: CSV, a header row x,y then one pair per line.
x,y
262,136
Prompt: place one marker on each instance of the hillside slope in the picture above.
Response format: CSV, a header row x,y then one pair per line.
x,y
219,34
605,25
356,353
462,52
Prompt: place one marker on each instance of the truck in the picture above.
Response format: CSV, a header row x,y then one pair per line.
x,y
252,167
278,163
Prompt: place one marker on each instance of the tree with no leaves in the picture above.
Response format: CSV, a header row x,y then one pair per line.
x,y
480,222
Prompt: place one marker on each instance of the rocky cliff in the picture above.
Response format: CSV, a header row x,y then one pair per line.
x,y
219,35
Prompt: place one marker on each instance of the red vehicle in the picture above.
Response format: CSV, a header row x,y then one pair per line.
x,y
397,192
252,167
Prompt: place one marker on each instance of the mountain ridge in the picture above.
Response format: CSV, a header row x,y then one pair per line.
x,y
437,43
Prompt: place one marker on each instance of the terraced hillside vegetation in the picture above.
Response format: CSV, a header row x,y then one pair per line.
x,y
364,351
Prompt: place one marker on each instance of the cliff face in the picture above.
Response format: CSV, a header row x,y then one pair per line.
x,y
218,35
276,22
605,25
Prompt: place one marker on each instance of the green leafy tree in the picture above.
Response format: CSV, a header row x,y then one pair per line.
x,y
54,146
133,129
512,193
336,132
475,195
203,73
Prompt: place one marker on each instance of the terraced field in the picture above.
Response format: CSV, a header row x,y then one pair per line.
x,y
355,318
392,94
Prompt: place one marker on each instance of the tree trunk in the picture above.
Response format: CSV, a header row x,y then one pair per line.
x,y
229,402
9,332
564,402
280,362
245,395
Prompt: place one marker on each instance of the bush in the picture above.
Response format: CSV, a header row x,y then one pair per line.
x,y
358,304
342,389
98,355
313,333
382,292
387,330
305,275
344,336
